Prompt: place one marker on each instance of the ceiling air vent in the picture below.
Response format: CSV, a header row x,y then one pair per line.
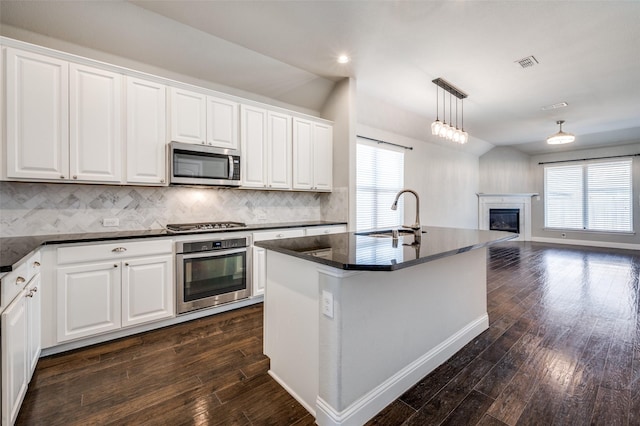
x,y
527,62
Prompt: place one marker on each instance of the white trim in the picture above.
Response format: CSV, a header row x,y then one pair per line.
x,y
378,398
590,243
295,396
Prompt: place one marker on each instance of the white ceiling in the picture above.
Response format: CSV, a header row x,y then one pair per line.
x,y
588,53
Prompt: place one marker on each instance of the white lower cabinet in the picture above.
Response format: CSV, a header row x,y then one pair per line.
x,y
14,358
259,272
19,336
147,290
109,291
88,300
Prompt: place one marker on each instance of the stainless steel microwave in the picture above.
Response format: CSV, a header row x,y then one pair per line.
x,y
203,165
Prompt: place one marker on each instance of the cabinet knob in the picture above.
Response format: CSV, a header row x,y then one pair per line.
x,y
36,263
75,177
203,143
115,265
119,250
279,236
30,294
61,176
161,180
35,289
126,264
20,280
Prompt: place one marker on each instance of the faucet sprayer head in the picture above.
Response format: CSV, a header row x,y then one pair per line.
x,y
394,206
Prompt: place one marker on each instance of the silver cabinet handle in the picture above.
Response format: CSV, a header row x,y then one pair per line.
x,y
30,294
36,263
119,250
20,280
35,289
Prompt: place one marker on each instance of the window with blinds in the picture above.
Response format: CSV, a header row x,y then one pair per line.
x,y
592,196
380,175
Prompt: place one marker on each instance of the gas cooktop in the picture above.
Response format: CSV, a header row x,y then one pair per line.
x,y
203,227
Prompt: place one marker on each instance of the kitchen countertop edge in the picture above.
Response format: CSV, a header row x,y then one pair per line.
x,y
278,246
22,247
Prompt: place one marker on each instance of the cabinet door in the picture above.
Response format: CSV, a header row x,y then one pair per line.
x,y
322,156
87,300
188,116
14,358
279,151
146,132
253,136
259,272
37,116
302,154
34,309
222,123
147,290
95,124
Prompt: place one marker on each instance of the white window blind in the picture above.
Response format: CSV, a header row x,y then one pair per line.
x,y
593,196
380,175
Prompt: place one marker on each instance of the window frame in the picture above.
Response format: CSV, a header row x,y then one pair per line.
x,y
585,203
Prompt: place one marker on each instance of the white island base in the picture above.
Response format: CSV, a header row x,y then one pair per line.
x,y
387,331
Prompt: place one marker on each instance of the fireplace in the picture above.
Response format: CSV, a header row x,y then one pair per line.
x,y
506,212
504,220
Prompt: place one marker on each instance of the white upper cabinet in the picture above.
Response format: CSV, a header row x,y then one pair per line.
x,y
253,139
322,156
146,132
188,116
205,120
278,151
312,155
266,148
95,124
222,123
37,106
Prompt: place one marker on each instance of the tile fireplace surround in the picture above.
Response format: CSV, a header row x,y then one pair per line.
x,y
522,202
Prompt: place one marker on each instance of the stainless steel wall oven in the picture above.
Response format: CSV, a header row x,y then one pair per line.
x,y
212,272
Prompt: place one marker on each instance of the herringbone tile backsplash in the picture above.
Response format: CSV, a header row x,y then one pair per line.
x,y
42,209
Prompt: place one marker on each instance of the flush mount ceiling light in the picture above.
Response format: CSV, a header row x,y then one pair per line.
x,y
441,128
343,59
560,137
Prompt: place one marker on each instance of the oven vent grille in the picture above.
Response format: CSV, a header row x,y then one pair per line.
x,y
527,62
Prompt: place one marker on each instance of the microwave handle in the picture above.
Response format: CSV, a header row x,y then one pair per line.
x,y
230,167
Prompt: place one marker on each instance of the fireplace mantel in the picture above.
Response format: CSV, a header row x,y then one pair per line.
x,y
520,201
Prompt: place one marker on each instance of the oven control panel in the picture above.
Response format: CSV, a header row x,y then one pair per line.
x,y
200,246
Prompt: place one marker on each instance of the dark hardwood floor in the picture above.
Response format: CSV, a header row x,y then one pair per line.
x,y
563,347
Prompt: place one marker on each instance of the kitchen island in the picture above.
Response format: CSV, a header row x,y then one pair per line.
x,y
353,320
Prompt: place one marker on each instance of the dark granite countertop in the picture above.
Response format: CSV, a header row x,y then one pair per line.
x,y
14,249
355,251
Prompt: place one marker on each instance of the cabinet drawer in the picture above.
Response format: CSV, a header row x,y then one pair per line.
x,y
112,251
12,284
325,230
278,234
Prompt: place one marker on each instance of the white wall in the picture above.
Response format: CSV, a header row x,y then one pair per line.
x,y
505,170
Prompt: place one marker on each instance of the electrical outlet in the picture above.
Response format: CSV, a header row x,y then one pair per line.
x,y
327,303
111,221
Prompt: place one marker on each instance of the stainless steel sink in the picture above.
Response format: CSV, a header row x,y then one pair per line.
x,y
387,233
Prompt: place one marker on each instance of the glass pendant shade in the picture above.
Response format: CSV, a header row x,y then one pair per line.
x,y
464,137
560,137
443,130
456,136
435,127
450,132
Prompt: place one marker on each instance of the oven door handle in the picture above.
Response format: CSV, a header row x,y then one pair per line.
x,y
211,253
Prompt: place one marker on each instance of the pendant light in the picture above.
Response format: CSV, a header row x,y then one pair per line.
x,y
560,137
436,125
441,128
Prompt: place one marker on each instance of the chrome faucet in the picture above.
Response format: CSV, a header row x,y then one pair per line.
x,y
417,229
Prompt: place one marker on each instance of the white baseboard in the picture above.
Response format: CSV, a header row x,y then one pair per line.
x,y
589,243
377,399
295,396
